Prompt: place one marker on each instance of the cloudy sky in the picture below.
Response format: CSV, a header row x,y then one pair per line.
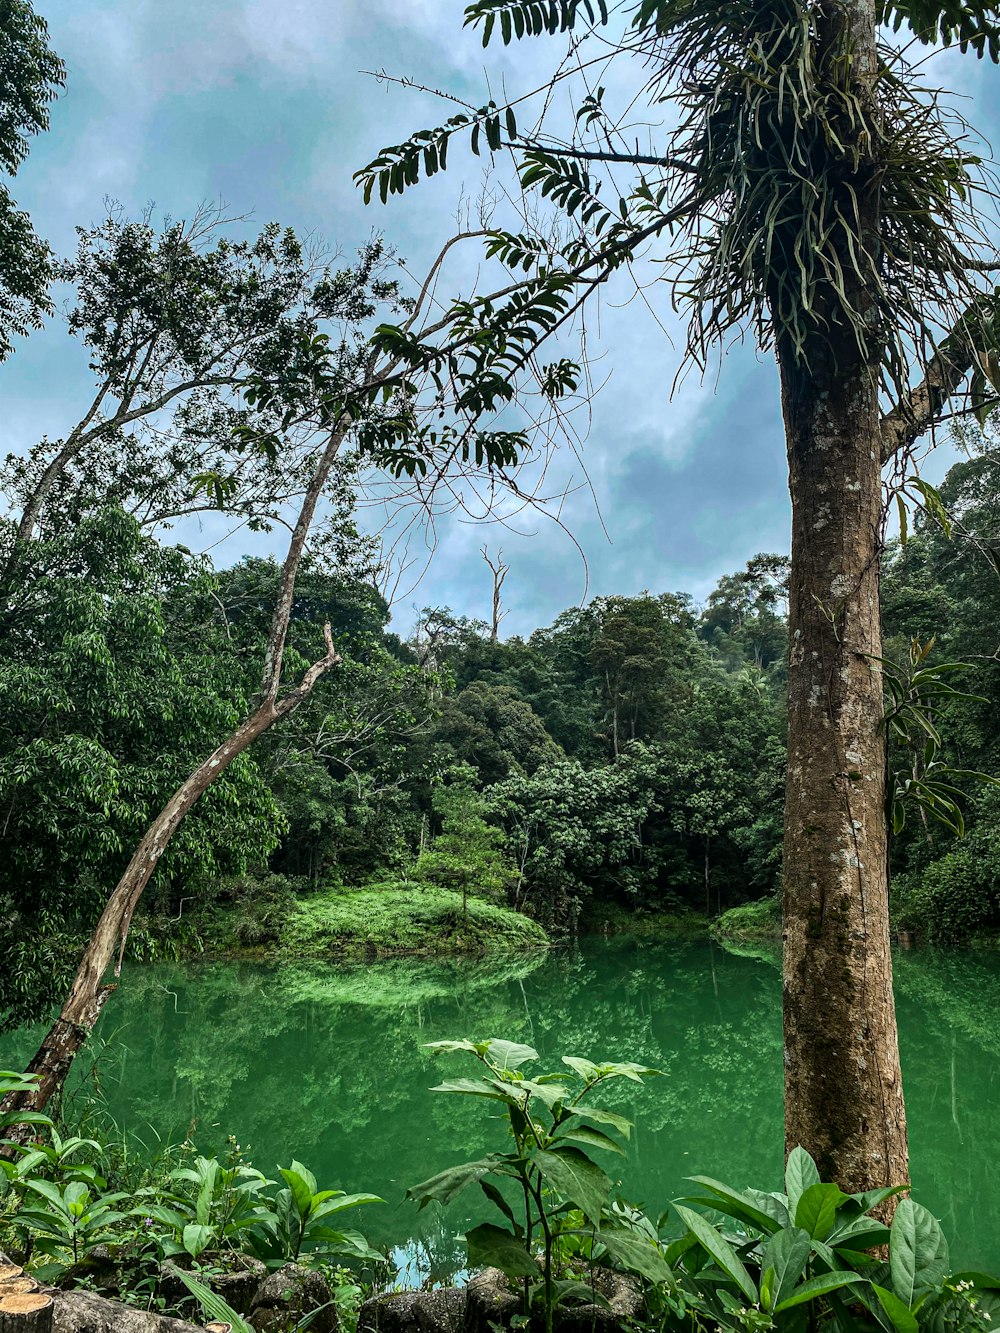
x,y
266,104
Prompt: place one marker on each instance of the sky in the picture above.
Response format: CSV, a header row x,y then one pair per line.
x,y
270,106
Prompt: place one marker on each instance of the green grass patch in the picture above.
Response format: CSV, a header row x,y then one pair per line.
x,y
759,921
391,919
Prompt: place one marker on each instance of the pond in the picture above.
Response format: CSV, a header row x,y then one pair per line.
x,y
325,1063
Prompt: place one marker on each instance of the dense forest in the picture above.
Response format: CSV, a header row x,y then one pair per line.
x,y
318,844
626,760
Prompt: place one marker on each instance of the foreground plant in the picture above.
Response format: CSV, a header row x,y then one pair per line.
x,y
817,1249
744,1261
561,1194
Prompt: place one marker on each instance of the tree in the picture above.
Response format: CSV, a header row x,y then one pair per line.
x,y
743,615
495,731
105,706
811,192
307,407
178,325
32,75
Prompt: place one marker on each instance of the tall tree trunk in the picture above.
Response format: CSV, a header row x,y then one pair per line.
x,y
843,1089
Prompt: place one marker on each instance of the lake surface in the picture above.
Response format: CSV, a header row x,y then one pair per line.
x,y
325,1063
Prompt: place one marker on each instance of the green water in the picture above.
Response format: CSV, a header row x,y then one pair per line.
x,y
326,1063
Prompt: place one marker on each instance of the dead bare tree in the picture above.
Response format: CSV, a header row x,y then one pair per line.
x,y
499,570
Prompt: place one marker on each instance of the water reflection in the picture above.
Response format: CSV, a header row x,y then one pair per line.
x,y
326,1063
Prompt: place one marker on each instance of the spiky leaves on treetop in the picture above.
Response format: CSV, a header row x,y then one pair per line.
x,y
775,137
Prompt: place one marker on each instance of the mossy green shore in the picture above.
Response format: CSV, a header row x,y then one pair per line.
x,y
275,918
409,919
375,921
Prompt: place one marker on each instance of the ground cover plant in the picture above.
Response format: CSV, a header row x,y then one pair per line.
x,y
809,1256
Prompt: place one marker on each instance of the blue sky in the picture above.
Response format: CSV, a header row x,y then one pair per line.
x,y
265,103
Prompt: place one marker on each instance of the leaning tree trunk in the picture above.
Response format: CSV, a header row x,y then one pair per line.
x,y
89,992
843,1090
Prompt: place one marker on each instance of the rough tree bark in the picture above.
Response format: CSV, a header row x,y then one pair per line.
x,y
843,1087
89,992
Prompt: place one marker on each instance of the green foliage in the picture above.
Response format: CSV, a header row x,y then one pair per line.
x,y
388,918
760,920
742,1260
210,1303
465,856
298,1218
204,1211
66,1218
105,707
32,75
811,1246
778,238
561,1192
915,693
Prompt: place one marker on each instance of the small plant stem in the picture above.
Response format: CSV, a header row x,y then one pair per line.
x,y
547,1233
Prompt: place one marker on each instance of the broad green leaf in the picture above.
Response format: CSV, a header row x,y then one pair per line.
x,y
800,1173
899,1314
448,1184
816,1209
24,1118
476,1087
870,1199
497,1199
861,1233
601,1117
719,1248
768,1282
576,1178
638,1253
48,1191
774,1206
306,1175
594,1138
734,1203
585,1068
510,1054
203,1206
985,1281
918,1251
491,1246
630,1070
676,1249
196,1238
212,1305
448,1046
76,1197
819,1286
787,1253
170,1217
327,1207
551,1094
300,1191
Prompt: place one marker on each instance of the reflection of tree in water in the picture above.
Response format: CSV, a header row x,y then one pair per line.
x,y
326,1063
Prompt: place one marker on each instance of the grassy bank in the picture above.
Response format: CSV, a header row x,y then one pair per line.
x,y
386,920
273,918
752,923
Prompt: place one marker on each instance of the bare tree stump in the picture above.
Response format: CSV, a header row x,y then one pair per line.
x,y
26,1312
24,1307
